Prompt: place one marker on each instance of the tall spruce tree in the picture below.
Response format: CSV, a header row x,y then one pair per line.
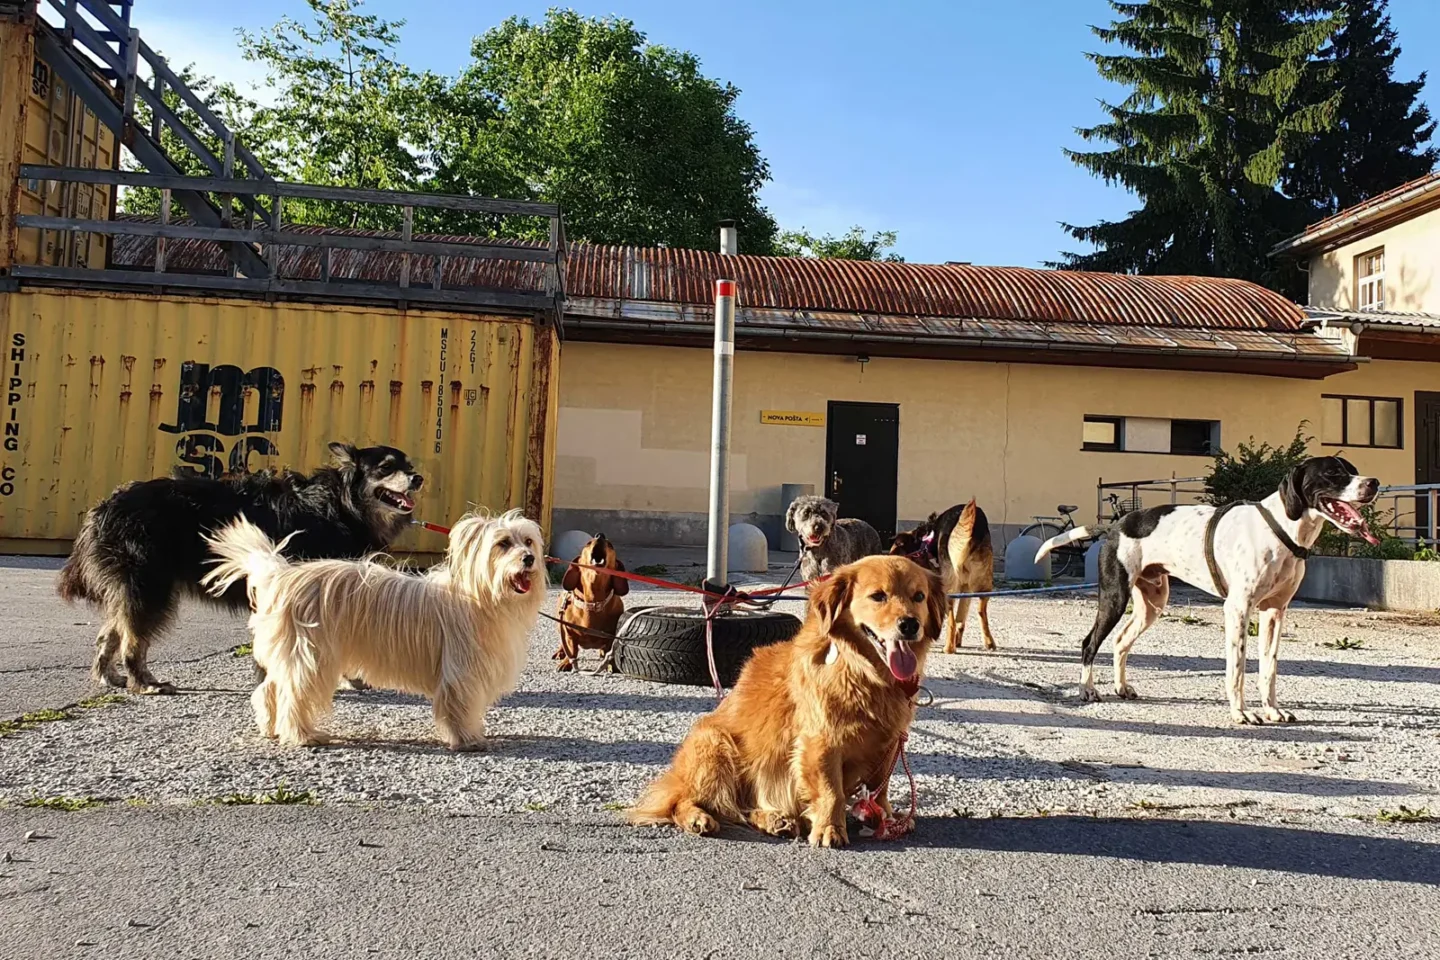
x,y
1380,133
1202,139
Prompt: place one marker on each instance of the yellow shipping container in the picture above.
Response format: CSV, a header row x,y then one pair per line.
x,y
43,121
102,389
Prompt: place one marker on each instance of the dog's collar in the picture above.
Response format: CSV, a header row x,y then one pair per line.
x,y
592,605
1300,552
928,546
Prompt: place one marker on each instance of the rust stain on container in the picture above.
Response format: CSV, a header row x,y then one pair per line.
x,y
455,396
367,389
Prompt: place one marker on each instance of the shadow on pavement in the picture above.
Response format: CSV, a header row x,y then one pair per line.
x,y
1207,843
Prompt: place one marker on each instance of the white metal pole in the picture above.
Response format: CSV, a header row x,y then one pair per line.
x,y
716,555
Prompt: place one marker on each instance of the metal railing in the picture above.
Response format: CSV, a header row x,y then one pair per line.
x,y
267,239
1406,503
1192,488
1413,514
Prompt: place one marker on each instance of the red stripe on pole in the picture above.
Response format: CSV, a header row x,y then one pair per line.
x,y
724,288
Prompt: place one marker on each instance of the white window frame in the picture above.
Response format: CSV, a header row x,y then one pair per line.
x,y
1370,290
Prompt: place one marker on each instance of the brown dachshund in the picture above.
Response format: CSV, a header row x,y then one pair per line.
x,y
591,607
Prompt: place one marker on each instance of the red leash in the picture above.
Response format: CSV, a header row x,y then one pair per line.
x,y
734,596
866,808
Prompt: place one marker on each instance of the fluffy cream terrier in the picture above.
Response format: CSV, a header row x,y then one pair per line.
x,y
457,634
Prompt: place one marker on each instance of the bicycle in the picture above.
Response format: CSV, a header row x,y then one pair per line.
x,y
1069,560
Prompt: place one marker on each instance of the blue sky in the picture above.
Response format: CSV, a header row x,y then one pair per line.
x,y
924,117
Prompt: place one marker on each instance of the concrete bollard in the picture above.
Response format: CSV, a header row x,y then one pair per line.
x,y
567,545
1092,561
1020,560
748,551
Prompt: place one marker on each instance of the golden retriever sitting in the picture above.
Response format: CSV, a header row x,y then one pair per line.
x,y
811,720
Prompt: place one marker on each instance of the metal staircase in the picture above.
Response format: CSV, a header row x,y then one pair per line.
x,y
98,54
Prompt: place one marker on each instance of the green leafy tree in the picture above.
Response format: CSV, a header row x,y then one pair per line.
x,y
221,99
1381,132
345,111
1202,139
854,245
631,139
1254,471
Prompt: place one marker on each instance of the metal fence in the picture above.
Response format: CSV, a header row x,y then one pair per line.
x,y
1126,496
1408,512
1412,512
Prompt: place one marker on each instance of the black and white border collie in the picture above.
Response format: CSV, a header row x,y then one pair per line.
x,y
1253,559
143,548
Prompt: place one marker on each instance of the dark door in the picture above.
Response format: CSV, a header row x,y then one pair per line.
x,y
1427,453
862,461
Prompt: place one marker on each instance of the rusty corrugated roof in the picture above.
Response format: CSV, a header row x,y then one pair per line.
x,y
843,287
644,318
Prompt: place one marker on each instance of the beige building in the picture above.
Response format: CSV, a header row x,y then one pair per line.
x,y
901,389
1374,279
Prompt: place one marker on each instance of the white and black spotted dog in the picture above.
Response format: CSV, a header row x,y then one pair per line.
x,y
827,542
1251,555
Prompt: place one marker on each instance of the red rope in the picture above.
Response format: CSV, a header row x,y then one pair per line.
x,y
867,809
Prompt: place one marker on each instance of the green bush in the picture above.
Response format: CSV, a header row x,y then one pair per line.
x,y
1334,543
1424,551
1253,472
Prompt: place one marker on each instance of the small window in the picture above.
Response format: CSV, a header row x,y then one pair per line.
x,y
1370,280
1195,437
1103,433
1361,422
1192,438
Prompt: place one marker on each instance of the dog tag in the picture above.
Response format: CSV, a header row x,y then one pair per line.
x,y
832,654
859,439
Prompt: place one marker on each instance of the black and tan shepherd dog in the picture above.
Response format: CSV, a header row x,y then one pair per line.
x,y
143,549
956,543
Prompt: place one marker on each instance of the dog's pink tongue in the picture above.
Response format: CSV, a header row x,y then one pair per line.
x,y
901,659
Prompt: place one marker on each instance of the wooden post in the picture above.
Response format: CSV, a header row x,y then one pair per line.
x,y
227,200
406,234
155,114
552,269
132,65
160,241
272,250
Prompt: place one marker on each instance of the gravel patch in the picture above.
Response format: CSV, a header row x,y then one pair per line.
x,y
1005,734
